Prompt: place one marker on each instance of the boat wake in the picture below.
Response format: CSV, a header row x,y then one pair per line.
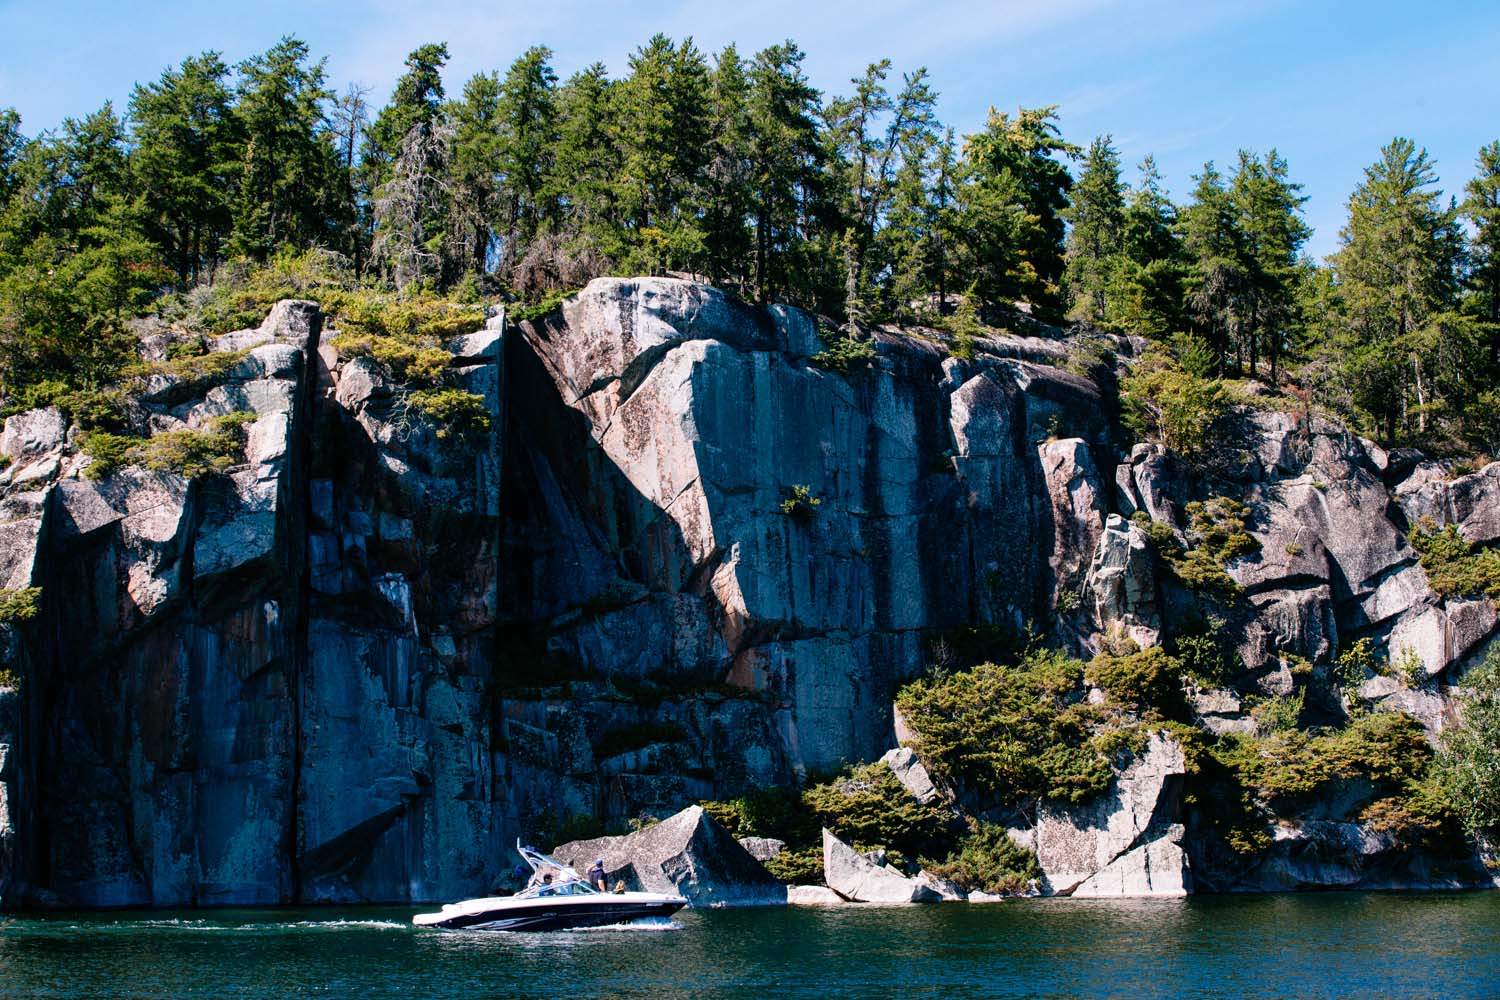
x,y
205,926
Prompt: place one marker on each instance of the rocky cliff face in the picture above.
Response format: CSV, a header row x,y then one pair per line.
x,y
363,661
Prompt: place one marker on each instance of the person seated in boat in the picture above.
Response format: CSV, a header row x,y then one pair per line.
x,y
597,878
620,888
547,888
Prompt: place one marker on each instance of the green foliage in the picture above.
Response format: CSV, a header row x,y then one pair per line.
x,y
107,452
189,453
459,415
1469,758
767,812
1011,733
1381,764
800,502
1148,680
1159,400
1289,767
803,866
1279,713
545,307
19,605
1217,528
193,453
623,739
1216,534
989,861
1454,568
864,805
844,354
867,806
965,326
1205,654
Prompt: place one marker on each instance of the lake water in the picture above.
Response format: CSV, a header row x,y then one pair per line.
x,y
1327,945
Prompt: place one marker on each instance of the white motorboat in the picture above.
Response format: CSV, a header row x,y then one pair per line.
x,y
555,898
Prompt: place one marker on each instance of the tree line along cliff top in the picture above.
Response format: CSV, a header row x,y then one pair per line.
x,y
862,207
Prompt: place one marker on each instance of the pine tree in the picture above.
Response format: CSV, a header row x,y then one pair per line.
x,y
475,170
1147,284
1216,277
289,182
416,101
188,151
876,136
1398,274
726,182
1012,199
1481,207
583,186
1096,220
528,132
787,180
12,142
1268,207
663,123
408,150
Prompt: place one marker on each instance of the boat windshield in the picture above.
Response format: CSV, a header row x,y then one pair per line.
x,y
564,880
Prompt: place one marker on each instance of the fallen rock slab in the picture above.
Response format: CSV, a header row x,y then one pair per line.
x,y
908,769
689,853
762,848
812,895
1126,842
860,880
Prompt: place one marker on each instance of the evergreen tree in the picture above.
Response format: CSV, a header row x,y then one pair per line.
x,y
1398,275
475,176
290,190
663,124
876,138
407,157
416,101
1216,278
787,158
726,189
1096,219
1147,284
944,187
528,130
1268,207
188,151
1013,195
583,187
12,144
1482,208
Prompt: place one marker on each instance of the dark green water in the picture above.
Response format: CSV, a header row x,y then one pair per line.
x,y
1333,945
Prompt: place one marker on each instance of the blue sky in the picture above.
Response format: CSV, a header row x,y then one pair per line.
x,y
1326,83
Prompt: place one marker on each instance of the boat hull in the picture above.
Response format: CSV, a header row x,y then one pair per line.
x,y
554,914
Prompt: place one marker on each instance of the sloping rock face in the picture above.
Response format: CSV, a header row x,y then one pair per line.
x,y
1127,842
689,854
860,880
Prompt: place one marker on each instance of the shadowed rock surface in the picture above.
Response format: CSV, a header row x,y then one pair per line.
x,y
362,661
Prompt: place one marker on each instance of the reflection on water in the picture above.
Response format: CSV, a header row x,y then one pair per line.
x,y
1331,945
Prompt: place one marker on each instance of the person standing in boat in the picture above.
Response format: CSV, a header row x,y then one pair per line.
x,y
597,877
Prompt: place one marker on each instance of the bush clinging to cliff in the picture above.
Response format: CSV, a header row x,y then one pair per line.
x,y
989,861
1469,758
459,415
1012,733
1454,568
19,605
